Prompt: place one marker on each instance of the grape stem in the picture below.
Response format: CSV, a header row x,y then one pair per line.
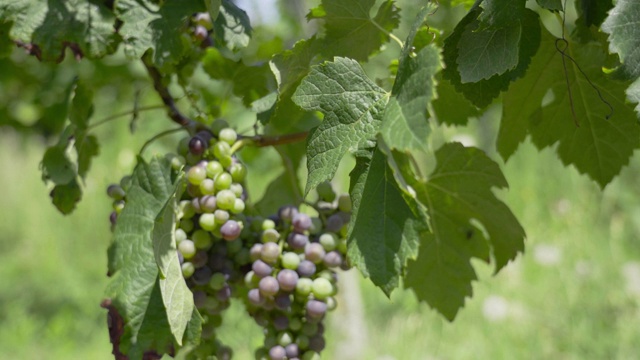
x,y
158,136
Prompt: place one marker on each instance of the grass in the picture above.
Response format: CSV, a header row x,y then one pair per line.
x,y
568,297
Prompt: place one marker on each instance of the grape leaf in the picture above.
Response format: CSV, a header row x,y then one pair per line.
x,y
87,147
353,107
135,285
451,107
232,27
498,14
599,147
481,93
592,12
381,249
552,5
633,94
467,221
66,196
249,83
487,52
6,45
58,163
54,25
213,7
351,31
404,124
624,35
147,25
176,296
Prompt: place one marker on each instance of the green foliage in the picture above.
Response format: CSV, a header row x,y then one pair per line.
x,y
624,35
467,221
405,228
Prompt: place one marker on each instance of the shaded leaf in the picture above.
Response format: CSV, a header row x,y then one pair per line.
x,y
384,230
66,196
466,221
232,27
451,107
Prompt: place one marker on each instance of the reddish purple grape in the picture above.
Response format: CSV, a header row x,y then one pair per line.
x,y
255,297
301,222
316,309
287,279
306,268
282,301
286,213
197,145
335,222
261,268
292,350
230,230
269,286
207,203
277,353
297,241
314,252
333,259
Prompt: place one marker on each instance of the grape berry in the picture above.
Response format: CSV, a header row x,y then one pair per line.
x,y
283,267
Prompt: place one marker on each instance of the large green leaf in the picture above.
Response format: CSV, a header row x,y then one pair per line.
x,y
553,5
592,12
404,125
350,29
232,27
599,146
53,25
147,25
498,14
135,287
451,107
352,106
481,93
384,232
467,221
624,34
633,94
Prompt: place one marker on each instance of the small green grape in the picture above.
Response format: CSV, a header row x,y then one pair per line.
x,y
228,135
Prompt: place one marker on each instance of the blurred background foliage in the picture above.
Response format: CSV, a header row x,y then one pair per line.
x,y
574,294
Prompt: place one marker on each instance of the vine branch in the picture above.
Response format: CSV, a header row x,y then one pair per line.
x,y
173,111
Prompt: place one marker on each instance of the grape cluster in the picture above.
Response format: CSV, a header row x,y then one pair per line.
x,y
200,26
282,267
292,282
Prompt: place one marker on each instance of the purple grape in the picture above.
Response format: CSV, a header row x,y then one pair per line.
x,y
306,268
197,145
230,230
316,343
292,350
334,223
195,202
199,298
180,257
200,259
287,279
224,294
316,309
282,301
301,222
255,297
261,268
297,241
202,276
113,217
314,252
281,322
286,213
268,286
207,203
277,353
204,135
333,259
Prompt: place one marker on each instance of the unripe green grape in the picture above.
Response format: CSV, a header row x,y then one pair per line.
x,y
238,206
188,269
284,338
178,162
217,281
192,159
322,288
180,235
220,216
223,181
118,206
228,135
236,189
187,248
221,149
214,168
328,241
218,125
238,172
187,209
226,161
331,303
270,252
226,199
186,225
295,324
342,246
270,235
268,224
316,226
251,280
125,182
196,174
290,260
302,341
309,329
207,221
344,203
325,192
234,246
207,187
303,287
202,239
183,146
